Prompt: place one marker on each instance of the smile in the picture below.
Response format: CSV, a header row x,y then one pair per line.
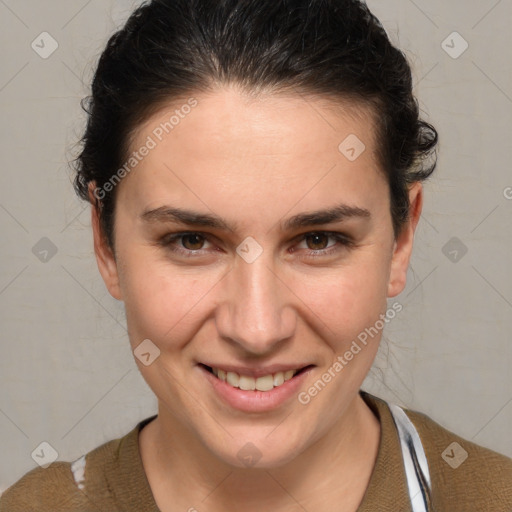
x,y
249,383
265,390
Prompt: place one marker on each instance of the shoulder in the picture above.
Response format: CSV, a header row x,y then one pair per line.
x,y
464,475
46,490
81,485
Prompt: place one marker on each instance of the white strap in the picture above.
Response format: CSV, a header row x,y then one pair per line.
x,y
415,460
78,470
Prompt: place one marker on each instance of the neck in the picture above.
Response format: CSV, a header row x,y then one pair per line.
x,y
334,469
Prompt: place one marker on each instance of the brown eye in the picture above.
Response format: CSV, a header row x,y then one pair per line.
x,y
196,241
185,244
317,243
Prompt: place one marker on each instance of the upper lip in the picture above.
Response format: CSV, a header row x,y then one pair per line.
x,y
259,371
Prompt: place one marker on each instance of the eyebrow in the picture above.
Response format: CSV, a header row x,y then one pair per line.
x,y
197,219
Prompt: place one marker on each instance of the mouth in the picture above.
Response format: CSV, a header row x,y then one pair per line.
x,y
262,383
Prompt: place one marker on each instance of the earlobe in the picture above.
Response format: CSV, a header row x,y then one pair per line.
x,y
105,258
404,242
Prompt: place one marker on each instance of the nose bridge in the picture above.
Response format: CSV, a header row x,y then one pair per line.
x,y
255,312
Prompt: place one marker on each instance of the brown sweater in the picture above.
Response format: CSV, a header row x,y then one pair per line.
x,y
115,481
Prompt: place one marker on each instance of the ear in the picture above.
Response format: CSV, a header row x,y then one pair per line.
x,y
404,242
105,257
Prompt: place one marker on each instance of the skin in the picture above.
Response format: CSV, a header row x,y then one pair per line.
x,y
257,162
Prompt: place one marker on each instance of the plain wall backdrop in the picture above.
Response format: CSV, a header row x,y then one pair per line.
x,y
67,374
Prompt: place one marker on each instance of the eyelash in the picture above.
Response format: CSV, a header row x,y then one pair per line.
x,y
169,240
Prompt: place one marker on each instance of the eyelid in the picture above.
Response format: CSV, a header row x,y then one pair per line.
x,y
333,234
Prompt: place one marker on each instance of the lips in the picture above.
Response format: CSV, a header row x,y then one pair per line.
x,y
259,397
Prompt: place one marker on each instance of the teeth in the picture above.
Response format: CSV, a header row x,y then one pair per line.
x,y
265,383
278,379
233,379
289,374
248,383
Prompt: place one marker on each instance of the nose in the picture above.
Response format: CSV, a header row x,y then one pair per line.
x,y
256,312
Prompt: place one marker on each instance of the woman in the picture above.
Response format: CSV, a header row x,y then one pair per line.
x,y
254,170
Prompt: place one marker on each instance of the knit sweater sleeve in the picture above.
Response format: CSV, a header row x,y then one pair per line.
x,y
108,478
46,490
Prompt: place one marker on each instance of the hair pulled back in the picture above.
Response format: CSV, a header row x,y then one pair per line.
x,y
173,48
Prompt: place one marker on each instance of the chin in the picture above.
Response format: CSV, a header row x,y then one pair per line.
x,y
258,449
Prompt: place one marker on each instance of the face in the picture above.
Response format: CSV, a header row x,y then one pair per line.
x,y
246,240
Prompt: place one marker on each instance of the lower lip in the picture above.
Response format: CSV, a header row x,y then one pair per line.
x,y
256,401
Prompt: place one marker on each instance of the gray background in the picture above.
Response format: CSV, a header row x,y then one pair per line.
x,y
67,373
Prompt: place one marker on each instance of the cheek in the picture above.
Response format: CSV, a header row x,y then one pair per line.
x,y
349,306
161,303
352,297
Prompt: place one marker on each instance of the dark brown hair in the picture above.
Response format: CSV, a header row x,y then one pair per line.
x,y
171,48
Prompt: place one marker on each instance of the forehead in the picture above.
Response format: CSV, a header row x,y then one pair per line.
x,y
272,144
228,114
